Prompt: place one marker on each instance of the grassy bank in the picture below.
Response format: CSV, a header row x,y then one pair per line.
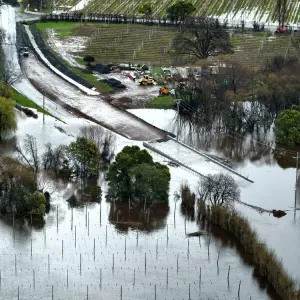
x,y
101,87
116,43
164,102
265,261
25,102
65,29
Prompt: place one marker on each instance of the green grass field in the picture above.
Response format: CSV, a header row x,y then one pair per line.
x,y
63,29
25,102
164,102
135,43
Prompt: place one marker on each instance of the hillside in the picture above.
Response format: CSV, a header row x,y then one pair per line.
x,y
134,43
236,8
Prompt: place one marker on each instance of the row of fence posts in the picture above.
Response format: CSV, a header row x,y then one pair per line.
x,y
113,257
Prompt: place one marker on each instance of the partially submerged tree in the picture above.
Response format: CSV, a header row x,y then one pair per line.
x,y
36,203
150,183
104,139
17,183
135,176
201,38
84,159
179,11
219,190
53,159
287,127
7,117
28,153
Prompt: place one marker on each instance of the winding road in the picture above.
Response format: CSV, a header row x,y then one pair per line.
x,y
65,100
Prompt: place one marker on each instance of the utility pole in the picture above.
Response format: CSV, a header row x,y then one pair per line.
x,y
43,91
297,165
177,102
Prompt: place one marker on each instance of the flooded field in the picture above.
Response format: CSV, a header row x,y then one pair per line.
x,y
106,251
273,175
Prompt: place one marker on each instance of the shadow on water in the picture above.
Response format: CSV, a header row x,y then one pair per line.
x,y
151,219
84,193
187,212
229,241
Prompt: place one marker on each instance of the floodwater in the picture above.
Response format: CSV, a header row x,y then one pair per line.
x,y
106,251
273,175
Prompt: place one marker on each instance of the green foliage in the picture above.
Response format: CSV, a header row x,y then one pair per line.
x,y
150,183
161,102
179,11
146,9
187,196
201,38
36,203
134,175
287,127
84,158
16,184
5,90
7,117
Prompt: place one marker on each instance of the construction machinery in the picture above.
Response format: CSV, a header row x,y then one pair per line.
x,y
146,80
164,91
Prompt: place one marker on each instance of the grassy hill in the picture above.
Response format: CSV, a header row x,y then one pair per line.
x,y
135,43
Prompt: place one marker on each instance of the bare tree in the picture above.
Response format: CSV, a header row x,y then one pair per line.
x,y
104,140
52,159
29,153
219,189
238,75
201,38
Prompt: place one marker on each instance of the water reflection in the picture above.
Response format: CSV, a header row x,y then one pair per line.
x,y
151,219
228,240
87,191
187,212
258,146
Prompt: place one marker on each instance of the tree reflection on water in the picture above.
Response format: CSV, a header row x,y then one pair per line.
x,y
256,147
153,218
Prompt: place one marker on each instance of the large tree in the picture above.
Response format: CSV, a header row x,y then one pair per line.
x,y
219,190
150,183
179,11
281,12
17,183
201,38
135,176
287,127
84,157
7,117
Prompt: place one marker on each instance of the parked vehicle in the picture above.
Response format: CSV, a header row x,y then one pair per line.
x,y
284,29
146,80
163,91
24,51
